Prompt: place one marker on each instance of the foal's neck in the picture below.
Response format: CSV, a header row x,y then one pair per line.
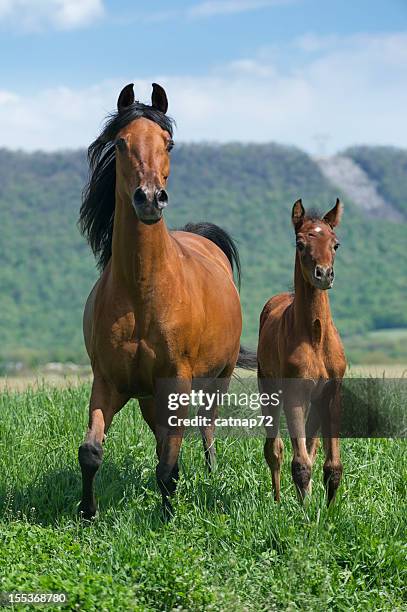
x,y
312,312
141,254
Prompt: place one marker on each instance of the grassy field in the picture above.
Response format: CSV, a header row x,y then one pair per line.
x,y
382,346
229,546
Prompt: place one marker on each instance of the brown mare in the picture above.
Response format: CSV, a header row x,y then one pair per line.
x,y
300,351
165,306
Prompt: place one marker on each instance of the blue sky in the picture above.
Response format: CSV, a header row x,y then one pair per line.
x,y
320,75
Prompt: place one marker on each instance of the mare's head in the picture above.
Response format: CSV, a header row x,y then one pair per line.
x,y
316,243
131,157
142,155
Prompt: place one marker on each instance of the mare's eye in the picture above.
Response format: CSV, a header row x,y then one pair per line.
x,y
121,144
300,246
170,145
336,246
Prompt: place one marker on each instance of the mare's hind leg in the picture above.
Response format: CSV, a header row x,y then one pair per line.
x,y
220,385
208,434
273,446
104,403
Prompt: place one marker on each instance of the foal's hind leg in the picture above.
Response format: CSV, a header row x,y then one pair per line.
x,y
273,446
312,430
104,403
330,418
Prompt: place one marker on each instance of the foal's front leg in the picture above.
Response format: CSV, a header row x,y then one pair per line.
x,y
296,398
104,403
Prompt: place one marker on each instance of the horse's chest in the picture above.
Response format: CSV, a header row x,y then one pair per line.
x,y
132,353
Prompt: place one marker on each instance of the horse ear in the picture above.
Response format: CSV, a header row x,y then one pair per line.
x,y
126,97
159,98
298,213
333,217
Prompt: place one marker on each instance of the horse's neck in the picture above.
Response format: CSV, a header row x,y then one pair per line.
x,y
312,312
142,254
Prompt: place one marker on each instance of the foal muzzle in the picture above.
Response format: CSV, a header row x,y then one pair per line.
x,y
323,277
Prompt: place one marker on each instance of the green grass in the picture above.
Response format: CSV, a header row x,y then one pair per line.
x,y
229,546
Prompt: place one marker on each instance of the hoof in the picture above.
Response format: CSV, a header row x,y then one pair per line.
x,y
332,478
90,457
301,474
86,512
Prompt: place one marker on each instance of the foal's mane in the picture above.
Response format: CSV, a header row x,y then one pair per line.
x,y
98,198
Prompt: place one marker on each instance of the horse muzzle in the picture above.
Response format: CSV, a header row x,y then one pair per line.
x,y
323,277
149,207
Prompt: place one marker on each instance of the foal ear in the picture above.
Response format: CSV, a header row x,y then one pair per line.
x,y
298,213
333,217
126,97
159,98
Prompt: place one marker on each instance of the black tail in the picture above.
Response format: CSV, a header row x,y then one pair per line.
x,y
247,359
222,239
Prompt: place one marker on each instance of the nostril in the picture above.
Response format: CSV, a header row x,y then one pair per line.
x,y
139,196
318,272
161,197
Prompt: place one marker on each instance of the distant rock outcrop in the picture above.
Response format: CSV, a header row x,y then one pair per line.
x,y
352,180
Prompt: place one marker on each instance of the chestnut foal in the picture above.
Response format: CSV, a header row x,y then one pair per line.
x,y
300,352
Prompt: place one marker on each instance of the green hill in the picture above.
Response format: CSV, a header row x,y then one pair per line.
x,y
46,268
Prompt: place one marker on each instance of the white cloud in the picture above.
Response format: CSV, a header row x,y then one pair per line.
x,y
203,10
209,8
39,14
353,90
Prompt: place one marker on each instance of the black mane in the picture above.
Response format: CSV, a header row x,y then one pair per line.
x,y
98,199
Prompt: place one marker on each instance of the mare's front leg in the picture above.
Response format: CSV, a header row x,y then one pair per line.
x,y
104,403
172,409
149,412
331,423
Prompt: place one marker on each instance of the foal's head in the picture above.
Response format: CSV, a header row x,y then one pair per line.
x,y
316,244
142,156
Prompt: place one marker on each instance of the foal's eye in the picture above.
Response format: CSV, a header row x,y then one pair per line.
x,y
170,145
300,246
